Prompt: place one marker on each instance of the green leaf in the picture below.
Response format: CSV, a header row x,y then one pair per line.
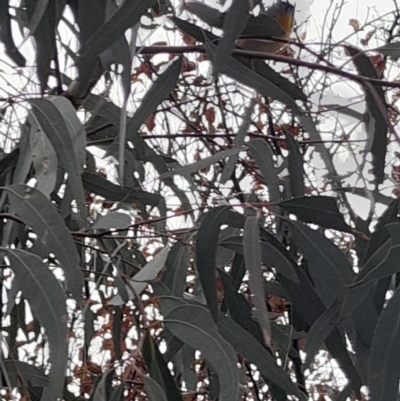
x,y
376,113
270,255
158,92
139,281
296,167
50,117
53,236
37,15
321,210
30,375
384,367
245,344
203,163
238,143
234,23
252,257
177,265
328,266
262,154
247,76
390,49
112,220
194,325
44,158
320,330
209,15
47,302
106,189
206,251
153,390
45,39
158,369
127,16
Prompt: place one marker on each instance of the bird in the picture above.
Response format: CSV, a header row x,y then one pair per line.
x,y
283,13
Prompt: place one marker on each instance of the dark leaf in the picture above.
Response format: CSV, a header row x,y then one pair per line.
x,y
328,266
246,345
194,325
234,22
321,210
209,15
252,257
384,364
106,189
53,236
376,115
51,118
296,168
206,250
47,301
320,330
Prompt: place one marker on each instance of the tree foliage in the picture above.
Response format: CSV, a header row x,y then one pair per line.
x,y
187,220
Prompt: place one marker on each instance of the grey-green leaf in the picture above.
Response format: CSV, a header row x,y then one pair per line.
x,y
112,220
47,301
194,325
38,213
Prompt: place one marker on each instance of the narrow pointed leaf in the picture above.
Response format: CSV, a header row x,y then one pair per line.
x,y
252,257
203,163
246,345
38,213
47,301
206,251
321,210
296,167
53,123
194,325
384,364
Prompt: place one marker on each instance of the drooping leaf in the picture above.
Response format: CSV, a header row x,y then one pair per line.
x,y
262,154
19,370
255,353
159,91
238,143
384,364
53,236
376,118
194,325
140,280
47,302
328,266
177,265
321,210
127,16
296,167
252,257
153,390
45,39
49,116
247,76
44,158
234,23
320,330
158,369
206,250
